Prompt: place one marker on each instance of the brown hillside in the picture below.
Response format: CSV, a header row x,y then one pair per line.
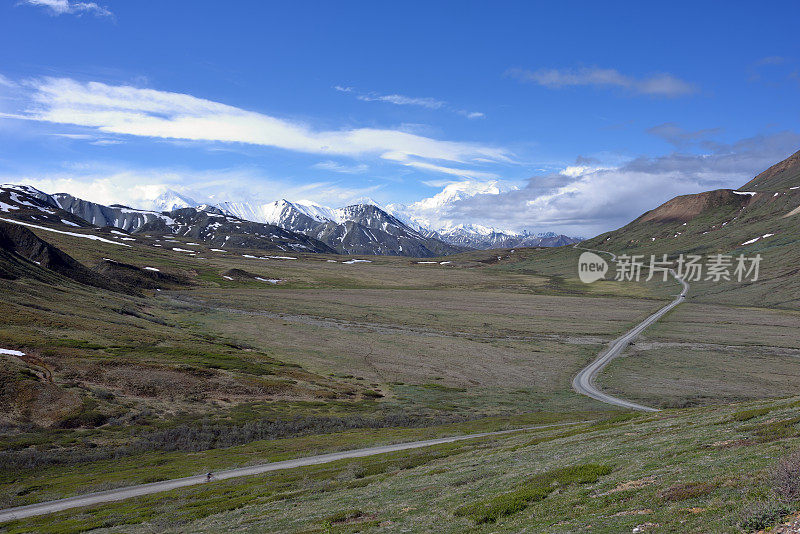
x,y
686,207
780,176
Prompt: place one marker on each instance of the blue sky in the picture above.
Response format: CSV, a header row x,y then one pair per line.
x,y
584,113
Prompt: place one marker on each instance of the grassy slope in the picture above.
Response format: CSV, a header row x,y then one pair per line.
x,y
698,470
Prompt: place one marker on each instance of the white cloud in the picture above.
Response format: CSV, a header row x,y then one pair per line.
x,y
82,137
655,85
583,199
124,187
574,171
106,142
126,110
404,159
330,165
91,139
399,100
402,100
772,60
68,7
597,200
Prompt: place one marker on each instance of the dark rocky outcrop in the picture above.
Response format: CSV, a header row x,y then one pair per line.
x,y
18,243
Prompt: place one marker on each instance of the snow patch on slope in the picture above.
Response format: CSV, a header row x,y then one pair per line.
x,y
74,234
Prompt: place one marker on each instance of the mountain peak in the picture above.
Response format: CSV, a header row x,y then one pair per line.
x,y
171,200
367,201
27,189
460,191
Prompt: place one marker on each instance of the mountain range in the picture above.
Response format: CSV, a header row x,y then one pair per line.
x,y
215,228
364,228
410,230
357,229
482,237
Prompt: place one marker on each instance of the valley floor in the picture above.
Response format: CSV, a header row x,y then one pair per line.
x,y
117,390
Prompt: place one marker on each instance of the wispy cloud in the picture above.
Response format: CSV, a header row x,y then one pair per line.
x,y
92,139
408,161
402,100
81,137
662,84
774,71
680,137
772,60
334,166
106,142
127,110
6,82
69,7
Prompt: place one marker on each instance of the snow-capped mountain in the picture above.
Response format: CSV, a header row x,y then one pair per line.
x,y
425,221
483,237
285,212
477,236
117,216
172,200
24,203
432,213
280,212
357,229
421,229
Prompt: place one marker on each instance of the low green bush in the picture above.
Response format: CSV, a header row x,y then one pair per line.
x,y
746,415
442,387
87,419
762,516
774,430
535,489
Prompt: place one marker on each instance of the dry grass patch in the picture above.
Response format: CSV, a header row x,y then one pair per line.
x,y
687,490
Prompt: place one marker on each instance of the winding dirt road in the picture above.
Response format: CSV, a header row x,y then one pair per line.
x,y
584,381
